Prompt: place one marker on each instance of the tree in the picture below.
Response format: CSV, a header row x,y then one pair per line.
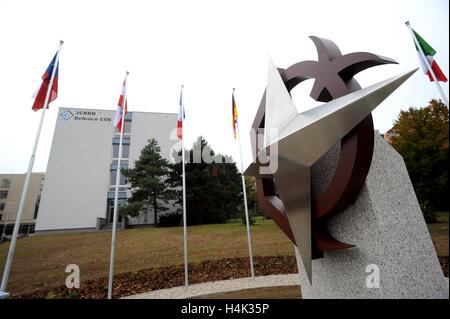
x,y
421,137
213,190
150,182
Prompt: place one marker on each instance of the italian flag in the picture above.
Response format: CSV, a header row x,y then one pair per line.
x,y
429,53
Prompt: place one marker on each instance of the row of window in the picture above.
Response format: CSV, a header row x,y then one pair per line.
x,y
124,158
5,183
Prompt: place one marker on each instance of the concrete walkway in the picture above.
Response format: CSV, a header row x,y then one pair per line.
x,y
214,287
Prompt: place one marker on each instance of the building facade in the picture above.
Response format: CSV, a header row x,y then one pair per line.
x,y
11,186
78,192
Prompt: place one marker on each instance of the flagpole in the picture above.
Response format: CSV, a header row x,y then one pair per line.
x,y
244,191
186,272
116,196
427,63
23,196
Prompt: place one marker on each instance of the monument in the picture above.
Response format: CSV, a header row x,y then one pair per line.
x,y
340,193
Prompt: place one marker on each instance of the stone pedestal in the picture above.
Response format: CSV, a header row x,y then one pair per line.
x,y
388,230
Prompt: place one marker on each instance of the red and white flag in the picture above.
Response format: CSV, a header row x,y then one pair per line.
x,y
121,108
180,117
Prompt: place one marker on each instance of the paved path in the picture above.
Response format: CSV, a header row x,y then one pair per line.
x,y
214,287
208,288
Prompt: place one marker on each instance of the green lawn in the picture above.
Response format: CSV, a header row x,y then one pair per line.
x,y
40,261
439,233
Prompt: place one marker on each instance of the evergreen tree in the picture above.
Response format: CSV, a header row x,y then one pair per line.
x,y
150,182
213,191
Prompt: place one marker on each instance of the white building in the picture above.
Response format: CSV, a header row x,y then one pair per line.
x,y
79,186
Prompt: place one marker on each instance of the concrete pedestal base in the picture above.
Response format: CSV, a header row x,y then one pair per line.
x,y
387,226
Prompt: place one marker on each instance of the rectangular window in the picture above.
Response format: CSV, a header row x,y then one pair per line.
x,y
3,194
6,183
112,178
123,162
126,129
1,217
125,151
2,206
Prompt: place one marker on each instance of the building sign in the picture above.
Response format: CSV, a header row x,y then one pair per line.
x,y
80,115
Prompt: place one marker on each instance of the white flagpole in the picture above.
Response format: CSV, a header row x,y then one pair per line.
x,y
427,63
23,196
244,191
116,195
186,273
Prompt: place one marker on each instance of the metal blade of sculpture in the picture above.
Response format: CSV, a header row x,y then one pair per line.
x,y
301,139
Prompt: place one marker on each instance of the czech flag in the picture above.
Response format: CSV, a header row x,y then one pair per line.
x,y
40,94
234,114
181,117
118,117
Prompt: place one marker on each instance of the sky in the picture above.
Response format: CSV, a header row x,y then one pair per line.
x,y
209,46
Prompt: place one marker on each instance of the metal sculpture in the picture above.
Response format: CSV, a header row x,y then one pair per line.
x,y
303,138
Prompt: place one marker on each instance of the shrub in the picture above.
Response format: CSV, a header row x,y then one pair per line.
x,y
72,294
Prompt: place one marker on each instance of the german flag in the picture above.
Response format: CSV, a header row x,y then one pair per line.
x,y
234,115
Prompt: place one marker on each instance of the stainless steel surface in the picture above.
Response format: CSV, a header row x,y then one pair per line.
x,y
294,185
279,106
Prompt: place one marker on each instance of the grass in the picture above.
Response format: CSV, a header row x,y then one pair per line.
x,y
40,261
439,233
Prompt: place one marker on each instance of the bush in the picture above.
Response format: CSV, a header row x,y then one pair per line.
x,y
170,219
72,294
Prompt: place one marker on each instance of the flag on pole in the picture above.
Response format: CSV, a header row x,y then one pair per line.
x,y
39,95
181,117
234,115
118,117
429,52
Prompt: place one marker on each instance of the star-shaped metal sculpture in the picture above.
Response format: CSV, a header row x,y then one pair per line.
x,y
303,138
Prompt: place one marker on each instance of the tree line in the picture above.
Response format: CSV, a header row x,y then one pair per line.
x,y
213,190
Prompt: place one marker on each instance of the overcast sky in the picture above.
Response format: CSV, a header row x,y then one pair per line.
x,y
209,46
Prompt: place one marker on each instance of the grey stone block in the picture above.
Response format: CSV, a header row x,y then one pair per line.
x,y
387,227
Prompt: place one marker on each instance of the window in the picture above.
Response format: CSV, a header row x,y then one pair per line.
x,y
2,206
3,194
6,183
123,162
1,216
126,129
112,178
125,151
